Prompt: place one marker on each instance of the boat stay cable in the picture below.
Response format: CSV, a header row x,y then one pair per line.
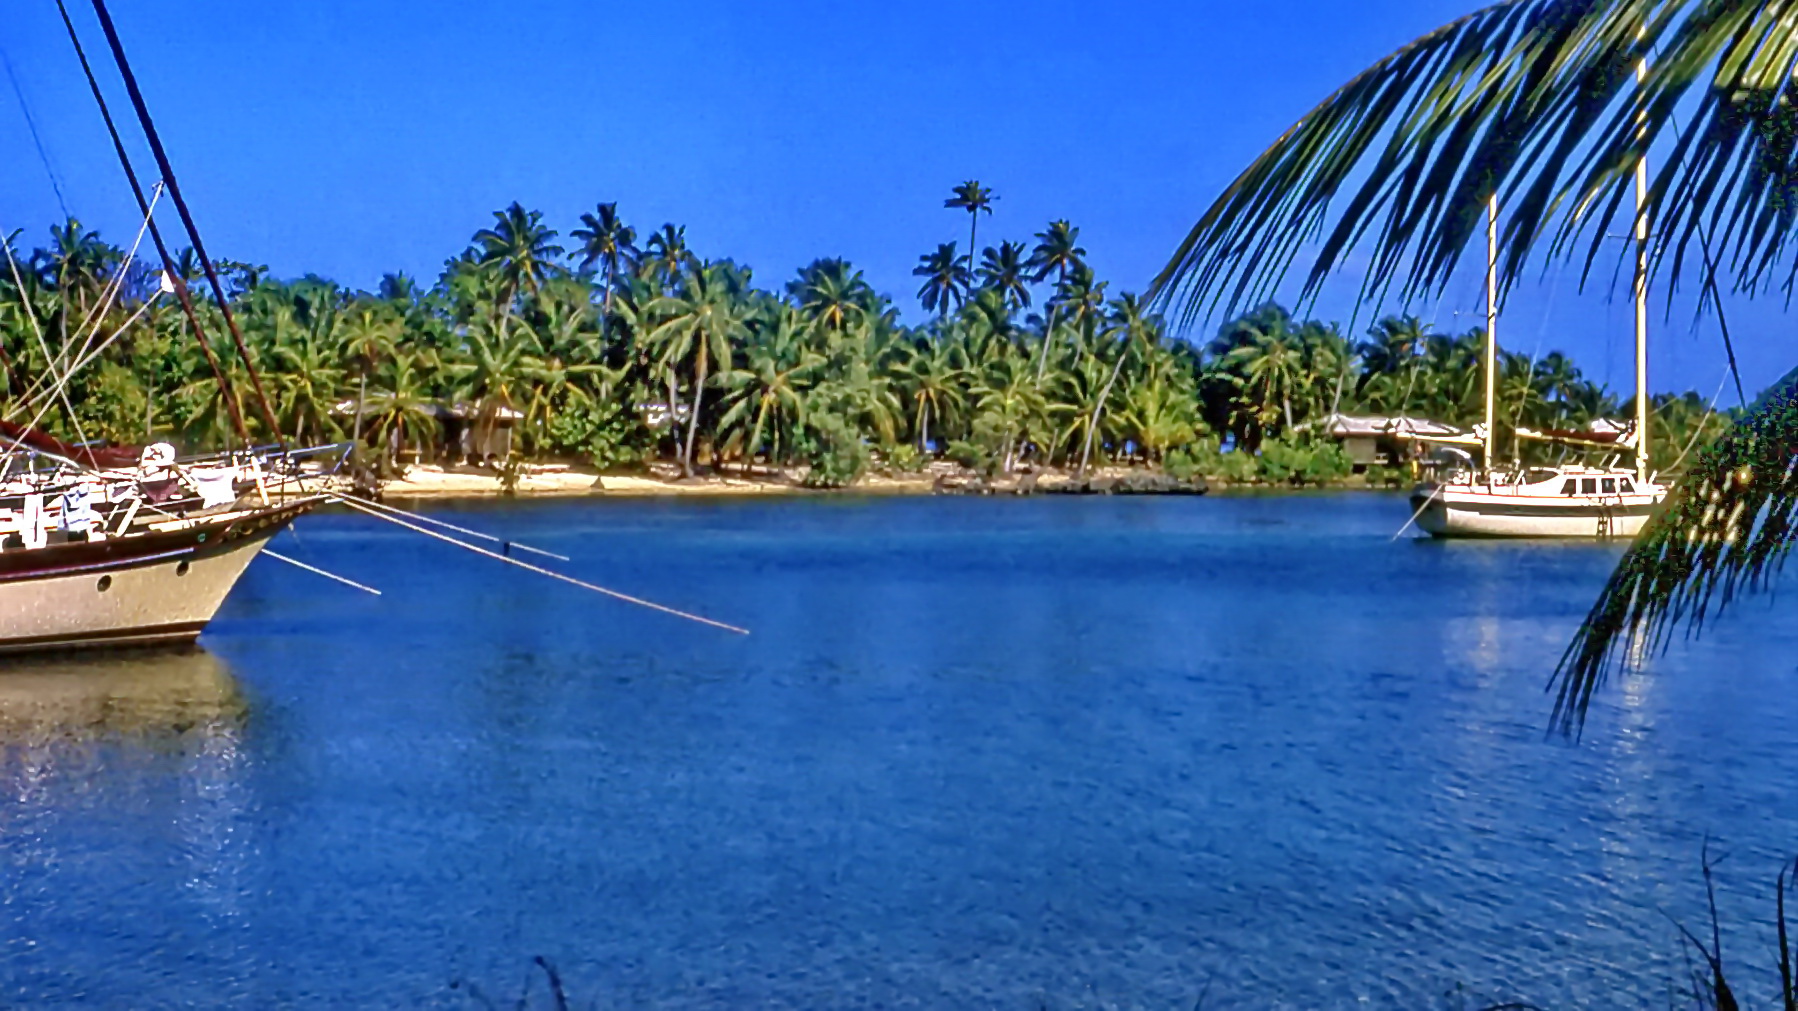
x,y
363,507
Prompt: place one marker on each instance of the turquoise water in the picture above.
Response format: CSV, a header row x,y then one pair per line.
x,y
1015,754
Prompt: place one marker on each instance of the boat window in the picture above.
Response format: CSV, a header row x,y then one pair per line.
x,y
1610,486
1589,485
1570,487
1626,486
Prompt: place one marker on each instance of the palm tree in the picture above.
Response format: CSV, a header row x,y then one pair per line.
x,y
1008,395
1133,328
930,379
1057,252
832,293
973,198
400,407
699,323
1004,270
668,256
945,280
494,373
519,249
608,241
768,390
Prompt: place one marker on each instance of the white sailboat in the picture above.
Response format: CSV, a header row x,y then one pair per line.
x,y
1565,501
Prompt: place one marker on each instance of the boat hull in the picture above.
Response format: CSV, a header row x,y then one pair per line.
x,y
153,588
1450,513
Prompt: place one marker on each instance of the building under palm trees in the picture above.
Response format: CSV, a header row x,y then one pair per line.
x,y
1378,441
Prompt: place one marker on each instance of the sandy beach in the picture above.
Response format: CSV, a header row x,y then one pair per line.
x,y
429,481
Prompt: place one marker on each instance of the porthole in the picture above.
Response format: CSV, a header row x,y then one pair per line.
x,y
181,570
105,583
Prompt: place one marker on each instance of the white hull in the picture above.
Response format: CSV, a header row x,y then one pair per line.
x,y
165,601
1531,510
141,590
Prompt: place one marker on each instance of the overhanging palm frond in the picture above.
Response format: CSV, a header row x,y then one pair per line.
x,y
1725,531
1535,101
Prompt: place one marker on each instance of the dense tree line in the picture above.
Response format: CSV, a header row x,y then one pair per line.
x,y
616,347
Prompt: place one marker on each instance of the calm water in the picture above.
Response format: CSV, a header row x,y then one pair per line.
x,y
977,754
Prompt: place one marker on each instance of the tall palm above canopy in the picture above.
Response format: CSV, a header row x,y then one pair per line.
x,y
973,198
519,249
607,241
1057,252
946,280
1005,271
1534,101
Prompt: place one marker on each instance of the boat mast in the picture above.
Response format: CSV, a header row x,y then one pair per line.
x,y
1491,440
1641,287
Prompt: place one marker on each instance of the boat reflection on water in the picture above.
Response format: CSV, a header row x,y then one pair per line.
x,y
134,761
135,696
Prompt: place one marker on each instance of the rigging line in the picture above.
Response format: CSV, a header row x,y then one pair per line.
x,y
115,284
36,140
25,300
1419,512
360,506
506,546
62,382
95,317
187,218
162,249
315,570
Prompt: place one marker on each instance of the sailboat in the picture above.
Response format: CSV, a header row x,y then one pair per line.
x,y
1608,500
122,545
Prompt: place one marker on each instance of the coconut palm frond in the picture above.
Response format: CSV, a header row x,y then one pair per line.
x,y
1725,531
1536,101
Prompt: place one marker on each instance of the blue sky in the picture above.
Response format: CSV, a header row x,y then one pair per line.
x,y
351,139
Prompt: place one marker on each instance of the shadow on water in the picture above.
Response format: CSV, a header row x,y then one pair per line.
x,y
121,695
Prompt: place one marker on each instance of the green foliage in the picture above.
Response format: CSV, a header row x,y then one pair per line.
x,y
1180,465
905,459
1303,463
983,451
1379,476
1205,457
577,341
836,455
607,435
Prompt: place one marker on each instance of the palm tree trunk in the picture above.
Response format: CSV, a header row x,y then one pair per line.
x,y
674,412
755,438
699,374
973,229
356,426
1092,426
1042,358
605,321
